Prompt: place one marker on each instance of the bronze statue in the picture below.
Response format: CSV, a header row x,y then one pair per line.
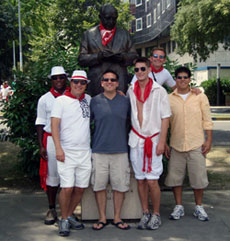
x,y
106,47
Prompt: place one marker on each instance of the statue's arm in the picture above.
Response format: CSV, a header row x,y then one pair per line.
x,y
85,58
131,53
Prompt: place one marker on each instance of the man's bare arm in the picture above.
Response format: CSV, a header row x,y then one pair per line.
x,y
163,136
55,125
40,131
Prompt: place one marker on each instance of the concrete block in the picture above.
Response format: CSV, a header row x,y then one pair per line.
x,y
131,207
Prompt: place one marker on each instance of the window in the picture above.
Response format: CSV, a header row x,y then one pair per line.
x,y
154,15
168,3
148,20
138,3
158,11
163,3
138,24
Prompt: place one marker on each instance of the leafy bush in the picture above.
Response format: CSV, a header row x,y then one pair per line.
x,y
210,88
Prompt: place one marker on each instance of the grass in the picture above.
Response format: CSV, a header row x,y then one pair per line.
x,y
11,176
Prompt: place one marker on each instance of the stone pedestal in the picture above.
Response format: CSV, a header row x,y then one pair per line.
x,y
131,207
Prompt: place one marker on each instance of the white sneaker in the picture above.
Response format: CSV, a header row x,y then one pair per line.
x,y
200,213
144,221
178,212
154,222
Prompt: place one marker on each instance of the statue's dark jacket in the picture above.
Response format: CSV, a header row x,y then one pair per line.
x,y
91,45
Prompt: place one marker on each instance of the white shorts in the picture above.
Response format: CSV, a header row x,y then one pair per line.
x,y
137,157
76,169
53,178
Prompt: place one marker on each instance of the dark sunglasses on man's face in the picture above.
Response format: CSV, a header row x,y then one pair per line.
x,y
141,68
158,56
55,77
182,77
82,82
111,79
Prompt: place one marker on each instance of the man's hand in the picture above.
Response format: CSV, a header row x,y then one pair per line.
x,y
167,151
60,155
206,147
196,91
43,153
160,148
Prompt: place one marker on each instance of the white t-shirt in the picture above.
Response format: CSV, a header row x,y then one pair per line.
x,y
75,122
162,77
44,108
155,108
184,96
5,91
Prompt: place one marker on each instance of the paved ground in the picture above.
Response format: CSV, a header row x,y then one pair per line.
x,y
22,220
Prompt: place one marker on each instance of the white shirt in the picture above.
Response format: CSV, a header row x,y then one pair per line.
x,y
155,108
162,77
5,91
44,108
75,122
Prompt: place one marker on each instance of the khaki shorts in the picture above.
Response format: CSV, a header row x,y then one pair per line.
x,y
110,167
194,161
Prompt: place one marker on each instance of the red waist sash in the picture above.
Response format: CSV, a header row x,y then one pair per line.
x,y
43,163
148,146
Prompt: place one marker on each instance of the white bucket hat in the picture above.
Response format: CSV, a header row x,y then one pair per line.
x,y
79,74
57,70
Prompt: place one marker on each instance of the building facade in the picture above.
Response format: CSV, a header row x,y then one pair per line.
x,y
151,28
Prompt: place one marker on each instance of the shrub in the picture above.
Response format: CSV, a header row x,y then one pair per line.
x,y
210,88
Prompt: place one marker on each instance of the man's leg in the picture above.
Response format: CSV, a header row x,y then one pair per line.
x,y
64,201
51,195
177,191
101,199
76,197
155,194
143,191
198,194
118,198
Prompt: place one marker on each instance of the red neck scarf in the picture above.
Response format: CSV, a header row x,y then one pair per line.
x,y
55,93
137,90
68,93
156,70
106,34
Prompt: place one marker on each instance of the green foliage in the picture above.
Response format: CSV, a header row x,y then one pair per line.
x,y
200,25
210,89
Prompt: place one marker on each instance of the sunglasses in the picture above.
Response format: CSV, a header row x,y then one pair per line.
x,y
55,77
182,77
111,79
82,82
141,68
158,56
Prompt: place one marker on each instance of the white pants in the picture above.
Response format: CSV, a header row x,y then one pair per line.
x,y
76,169
137,157
53,178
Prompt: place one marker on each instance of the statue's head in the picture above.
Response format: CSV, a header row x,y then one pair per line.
x,y
108,16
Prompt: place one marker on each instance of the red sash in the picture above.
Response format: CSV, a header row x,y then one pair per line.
x,y
156,70
137,90
106,34
43,163
148,146
55,93
68,93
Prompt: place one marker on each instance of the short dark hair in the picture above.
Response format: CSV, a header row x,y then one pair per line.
x,y
159,48
111,71
182,69
142,60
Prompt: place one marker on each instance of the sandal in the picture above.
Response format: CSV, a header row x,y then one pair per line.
x,y
99,223
120,223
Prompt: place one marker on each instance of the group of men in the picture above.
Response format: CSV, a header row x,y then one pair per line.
x,y
63,126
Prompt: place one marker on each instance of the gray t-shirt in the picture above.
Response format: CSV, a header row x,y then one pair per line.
x,y
110,123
